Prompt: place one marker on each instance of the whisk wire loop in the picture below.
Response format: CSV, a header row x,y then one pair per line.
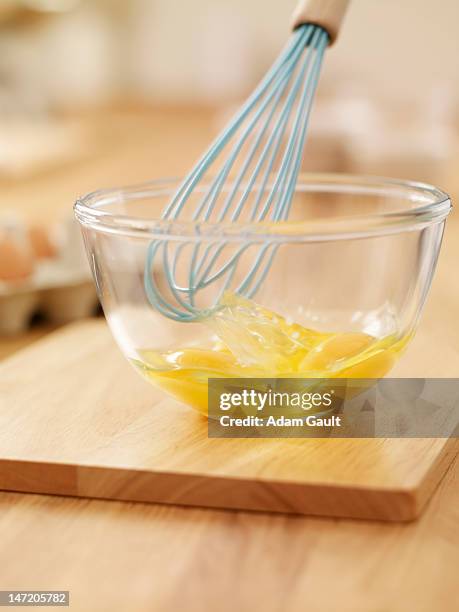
x,y
276,115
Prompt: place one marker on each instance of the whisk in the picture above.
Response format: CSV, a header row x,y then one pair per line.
x,y
263,147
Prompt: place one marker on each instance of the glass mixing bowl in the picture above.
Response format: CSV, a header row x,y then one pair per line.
x,y
341,294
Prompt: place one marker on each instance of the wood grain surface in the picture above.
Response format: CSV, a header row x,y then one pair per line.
x,y
123,557
75,419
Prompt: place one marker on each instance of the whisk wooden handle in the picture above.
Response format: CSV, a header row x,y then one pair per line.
x,y
328,14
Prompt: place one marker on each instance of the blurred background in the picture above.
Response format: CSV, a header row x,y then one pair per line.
x,y
94,93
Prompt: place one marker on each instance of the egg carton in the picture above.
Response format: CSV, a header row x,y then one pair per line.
x,y
60,303
60,289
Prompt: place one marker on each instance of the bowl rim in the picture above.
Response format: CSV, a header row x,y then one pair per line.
x,y
438,206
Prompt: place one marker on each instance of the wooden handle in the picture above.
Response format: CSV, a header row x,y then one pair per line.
x,y
327,14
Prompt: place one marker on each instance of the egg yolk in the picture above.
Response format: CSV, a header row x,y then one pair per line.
x,y
254,342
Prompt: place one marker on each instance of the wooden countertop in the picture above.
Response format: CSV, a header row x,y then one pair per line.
x,y
121,556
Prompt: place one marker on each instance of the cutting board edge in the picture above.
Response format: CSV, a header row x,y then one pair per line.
x,y
199,490
435,474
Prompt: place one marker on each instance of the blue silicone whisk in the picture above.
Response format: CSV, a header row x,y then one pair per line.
x,y
254,165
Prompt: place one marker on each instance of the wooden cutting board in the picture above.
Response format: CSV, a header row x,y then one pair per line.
x,y
75,419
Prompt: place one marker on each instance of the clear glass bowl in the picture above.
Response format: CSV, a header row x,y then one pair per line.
x,y
342,296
